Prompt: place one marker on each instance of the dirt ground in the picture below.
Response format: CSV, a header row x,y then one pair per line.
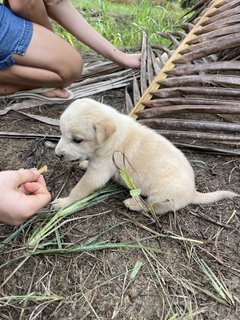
x,y
171,282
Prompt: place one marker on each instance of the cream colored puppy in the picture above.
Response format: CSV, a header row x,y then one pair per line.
x,y
96,132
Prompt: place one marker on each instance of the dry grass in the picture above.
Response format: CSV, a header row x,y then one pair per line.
x,y
168,265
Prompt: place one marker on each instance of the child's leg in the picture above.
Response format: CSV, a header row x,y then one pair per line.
x,y
48,61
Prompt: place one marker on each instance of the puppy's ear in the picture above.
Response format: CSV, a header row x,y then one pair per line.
x,y
104,129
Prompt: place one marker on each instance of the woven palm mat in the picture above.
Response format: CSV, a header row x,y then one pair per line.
x,y
194,98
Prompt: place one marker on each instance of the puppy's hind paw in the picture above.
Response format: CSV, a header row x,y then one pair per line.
x,y
60,203
133,204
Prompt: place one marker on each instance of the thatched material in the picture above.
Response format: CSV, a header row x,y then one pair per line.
x,y
97,78
202,76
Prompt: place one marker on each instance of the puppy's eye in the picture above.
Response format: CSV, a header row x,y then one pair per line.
x,y
77,140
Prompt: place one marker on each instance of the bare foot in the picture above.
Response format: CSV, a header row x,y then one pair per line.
x,y
52,93
56,93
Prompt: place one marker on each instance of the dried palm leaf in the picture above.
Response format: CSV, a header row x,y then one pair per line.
x,y
201,76
208,148
18,135
157,112
44,119
198,9
96,78
170,123
223,138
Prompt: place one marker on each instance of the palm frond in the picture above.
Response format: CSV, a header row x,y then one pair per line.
x,y
200,77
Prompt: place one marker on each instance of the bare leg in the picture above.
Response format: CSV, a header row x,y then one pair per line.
x,y
48,62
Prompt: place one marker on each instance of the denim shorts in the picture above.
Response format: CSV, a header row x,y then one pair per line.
x,y
15,36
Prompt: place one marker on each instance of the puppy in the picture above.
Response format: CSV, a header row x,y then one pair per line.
x,y
108,139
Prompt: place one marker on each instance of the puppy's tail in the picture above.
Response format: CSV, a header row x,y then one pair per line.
x,y
204,198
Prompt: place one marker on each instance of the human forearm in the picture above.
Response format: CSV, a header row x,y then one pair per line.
x,y
33,10
69,17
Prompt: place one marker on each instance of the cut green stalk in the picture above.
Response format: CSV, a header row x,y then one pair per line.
x,y
218,285
136,269
89,245
53,224
135,192
210,294
92,247
6,242
86,247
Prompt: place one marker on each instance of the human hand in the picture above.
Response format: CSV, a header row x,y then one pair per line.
x,y
130,60
22,193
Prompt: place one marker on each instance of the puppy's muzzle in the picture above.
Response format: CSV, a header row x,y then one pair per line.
x,y
65,158
60,156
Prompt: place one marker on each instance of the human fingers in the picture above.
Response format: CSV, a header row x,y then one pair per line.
x,y
39,196
42,181
138,57
36,188
133,60
26,175
27,188
27,206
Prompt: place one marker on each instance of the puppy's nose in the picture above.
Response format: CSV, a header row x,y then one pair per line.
x,y
60,156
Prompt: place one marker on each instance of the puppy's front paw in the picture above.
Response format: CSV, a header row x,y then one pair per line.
x,y
61,203
83,165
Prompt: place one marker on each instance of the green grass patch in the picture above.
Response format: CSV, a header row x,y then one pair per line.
x,y
123,24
